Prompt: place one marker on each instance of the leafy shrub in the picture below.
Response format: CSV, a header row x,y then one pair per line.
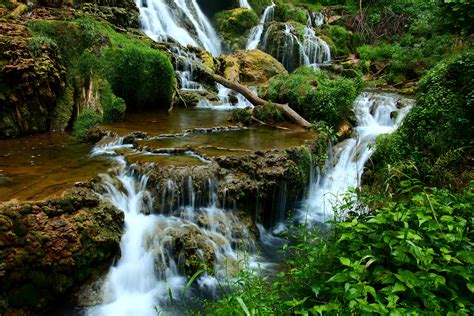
x,y
85,120
315,96
285,12
268,113
440,124
243,116
144,78
341,39
412,256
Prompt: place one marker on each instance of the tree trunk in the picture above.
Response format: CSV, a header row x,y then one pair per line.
x,y
255,100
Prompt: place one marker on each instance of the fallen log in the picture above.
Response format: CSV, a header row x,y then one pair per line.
x,y
257,101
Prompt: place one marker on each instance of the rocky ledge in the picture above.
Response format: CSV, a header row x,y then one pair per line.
x,y
47,248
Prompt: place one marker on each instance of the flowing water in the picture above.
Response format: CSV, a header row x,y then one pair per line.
x,y
245,4
178,20
376,114
150,276
257,31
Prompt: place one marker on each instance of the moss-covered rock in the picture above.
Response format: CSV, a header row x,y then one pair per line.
x,y
48,247
31,81
234,25
257,67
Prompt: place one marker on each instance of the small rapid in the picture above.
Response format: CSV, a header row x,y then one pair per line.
x,y
376,114
162,246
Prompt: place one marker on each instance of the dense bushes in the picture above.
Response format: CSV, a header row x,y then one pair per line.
x,y
143,77
438,132
315,96
118,68
412,256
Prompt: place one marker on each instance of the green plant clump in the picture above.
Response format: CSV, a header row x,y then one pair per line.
x,y
85,120
315,96
143,77
434,142
407,257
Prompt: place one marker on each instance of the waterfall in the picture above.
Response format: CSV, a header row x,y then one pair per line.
x,y
312,50
245,4
315,19
184,67
346,161
257,31
151,270
180,20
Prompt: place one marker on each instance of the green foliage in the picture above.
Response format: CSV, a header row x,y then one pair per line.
x,y
236,22
243,116
286,12
341,39
315,96
259,5
268,113
439,127
412,256
456,16
85,120
39,44
143,77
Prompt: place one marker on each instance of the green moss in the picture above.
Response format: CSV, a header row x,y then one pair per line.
x,y
143,77
243,116
259,5
85,120
62,113
233,25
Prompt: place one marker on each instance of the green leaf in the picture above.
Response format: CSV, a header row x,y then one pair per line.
x,y
339,277
470,286
243,306
345,261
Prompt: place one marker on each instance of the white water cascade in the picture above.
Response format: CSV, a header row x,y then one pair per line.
x,y
310,49
245,4
313,50
179,20
148,279
346,161
257,31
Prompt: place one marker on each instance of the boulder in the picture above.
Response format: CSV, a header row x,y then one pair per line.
x,y
254,67
49,247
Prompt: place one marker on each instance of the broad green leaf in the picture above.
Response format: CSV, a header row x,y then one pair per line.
x,y
345,261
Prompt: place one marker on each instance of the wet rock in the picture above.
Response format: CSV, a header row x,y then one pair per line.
x,y
51,246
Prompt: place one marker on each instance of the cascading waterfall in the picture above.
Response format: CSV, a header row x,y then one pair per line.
x,y
184,67
312,50
150,269
179,20
257,31
315,19
346,161
245,4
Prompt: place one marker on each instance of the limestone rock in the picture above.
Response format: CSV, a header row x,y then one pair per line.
x,y
48,247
